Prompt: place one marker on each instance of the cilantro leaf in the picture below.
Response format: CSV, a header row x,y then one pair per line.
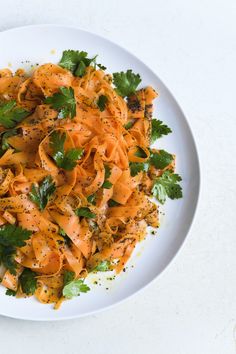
x,y
160,159
28,281
167,186
126,82
107,184
11,237
103,266
10,292
102,101
40,195
66,160
112,203
140,153
64,102
11,115
136,167
158,130
73,287
86,212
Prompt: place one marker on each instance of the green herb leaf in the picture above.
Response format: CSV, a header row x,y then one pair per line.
x,y
71,58
112,203
126,82
102,101
10,292
11,115
77,62
68,277
167,186
73,287
160,159
11,237
136,167
158,130
64,102
66,160
103,266
140,153
28,281
81,68
62,232
107,184
40,195
92,199
86,212
4,143
129,125
107,171
67,240
102,67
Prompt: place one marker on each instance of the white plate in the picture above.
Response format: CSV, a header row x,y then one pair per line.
x,y
45,43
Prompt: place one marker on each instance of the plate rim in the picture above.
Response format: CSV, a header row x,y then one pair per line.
x,y
198,167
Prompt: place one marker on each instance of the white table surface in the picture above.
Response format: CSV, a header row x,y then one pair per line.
x,y
191,308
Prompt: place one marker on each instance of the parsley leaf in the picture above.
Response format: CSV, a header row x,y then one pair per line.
x,y
102,67
11,237
86,212
140,153
66,160
68,277
103,266
129,125
71,58
160,159
67,240
73,287
10,292
4,136
40,195
136,167
28,281
112,203
102,101
158,130
64,102
126,82
77,61
11,115
167,186
92,199
107,184
107,171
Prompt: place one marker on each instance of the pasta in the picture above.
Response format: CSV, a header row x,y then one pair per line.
x,y
76,174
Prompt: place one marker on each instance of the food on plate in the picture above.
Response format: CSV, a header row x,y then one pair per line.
x,y
79,178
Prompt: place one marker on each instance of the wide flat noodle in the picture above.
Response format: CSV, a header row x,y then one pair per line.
x,y
117,209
